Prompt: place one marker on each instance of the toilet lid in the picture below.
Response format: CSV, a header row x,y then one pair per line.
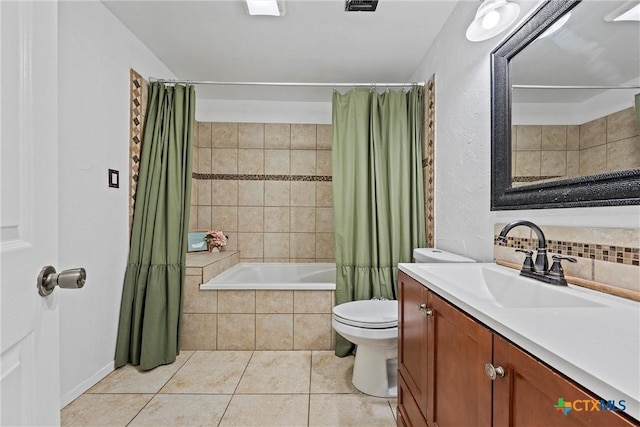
x,y
372,314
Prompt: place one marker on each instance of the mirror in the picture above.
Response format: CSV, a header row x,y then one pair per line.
x,y
564,121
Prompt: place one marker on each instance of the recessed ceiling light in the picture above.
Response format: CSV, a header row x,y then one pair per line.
x,y
630,11
266,7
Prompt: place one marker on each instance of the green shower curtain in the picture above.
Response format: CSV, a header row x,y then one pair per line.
x,y
377,191
152,292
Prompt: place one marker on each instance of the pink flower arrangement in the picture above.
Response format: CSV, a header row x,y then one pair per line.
x,y
216,238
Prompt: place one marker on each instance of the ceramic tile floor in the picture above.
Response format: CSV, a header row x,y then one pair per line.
x,y
233,388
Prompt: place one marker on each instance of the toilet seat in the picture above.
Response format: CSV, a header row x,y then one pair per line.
x,y
368,314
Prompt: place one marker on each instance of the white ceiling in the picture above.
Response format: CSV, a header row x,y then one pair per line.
x,y
316,41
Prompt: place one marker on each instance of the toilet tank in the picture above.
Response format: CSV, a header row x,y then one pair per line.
x,y
432,255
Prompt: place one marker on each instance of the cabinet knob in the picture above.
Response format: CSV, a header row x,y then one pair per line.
x,y
426,312
493,372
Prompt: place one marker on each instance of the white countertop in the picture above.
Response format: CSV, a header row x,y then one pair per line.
x,y
597,347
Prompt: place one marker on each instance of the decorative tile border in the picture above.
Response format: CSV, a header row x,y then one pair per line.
x,y
138,107
595,251
242,177
534,178
429,158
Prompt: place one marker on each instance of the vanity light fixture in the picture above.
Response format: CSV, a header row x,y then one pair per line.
x,y
630,11
266,7
492,18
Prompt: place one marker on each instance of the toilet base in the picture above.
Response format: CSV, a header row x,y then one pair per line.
x,y
375,372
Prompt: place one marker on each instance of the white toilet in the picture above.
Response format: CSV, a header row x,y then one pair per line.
x,y
373,326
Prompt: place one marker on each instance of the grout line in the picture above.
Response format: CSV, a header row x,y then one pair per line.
x,y
236,388
309,390
393,412
158,391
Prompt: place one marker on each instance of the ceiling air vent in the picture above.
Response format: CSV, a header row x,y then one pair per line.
x,y
361,5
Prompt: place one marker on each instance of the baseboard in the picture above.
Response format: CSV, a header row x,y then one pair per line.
x,y
86,385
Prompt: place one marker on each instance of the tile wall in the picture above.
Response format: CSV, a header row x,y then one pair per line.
x,y
609,256
138,89
428,157
268,186
607,144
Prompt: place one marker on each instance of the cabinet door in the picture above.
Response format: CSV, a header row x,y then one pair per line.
x,y
532,394
408,413
412,340
459,391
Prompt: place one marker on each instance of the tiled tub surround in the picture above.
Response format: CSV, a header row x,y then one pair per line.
x,y
428,157
268,186
608,256
251,319
607,144
139,88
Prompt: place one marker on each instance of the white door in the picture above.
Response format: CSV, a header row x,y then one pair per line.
x,y
30,379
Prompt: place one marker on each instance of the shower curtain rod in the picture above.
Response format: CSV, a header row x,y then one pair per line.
x,y
292,84
571,87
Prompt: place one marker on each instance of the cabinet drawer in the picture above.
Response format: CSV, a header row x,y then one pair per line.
x,y
408,409
399,419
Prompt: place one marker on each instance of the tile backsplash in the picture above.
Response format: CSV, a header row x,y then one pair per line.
x,y
268,186
609,256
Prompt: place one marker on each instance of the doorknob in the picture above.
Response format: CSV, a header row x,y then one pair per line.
x,y
69,279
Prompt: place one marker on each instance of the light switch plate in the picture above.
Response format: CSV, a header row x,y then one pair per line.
x,y
114,178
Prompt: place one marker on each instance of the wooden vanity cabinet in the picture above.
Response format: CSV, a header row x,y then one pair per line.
x,y
439,352
529,391
442,381
413,344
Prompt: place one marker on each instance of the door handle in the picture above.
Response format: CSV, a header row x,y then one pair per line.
x,y
48,279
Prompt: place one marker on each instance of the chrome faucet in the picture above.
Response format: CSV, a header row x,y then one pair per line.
x,y
540,269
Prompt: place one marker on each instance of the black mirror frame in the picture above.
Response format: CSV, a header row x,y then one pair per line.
x,y
609,189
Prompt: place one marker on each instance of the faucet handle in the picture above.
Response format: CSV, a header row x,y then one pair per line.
x,y
525,251
556,269
527,265
557,258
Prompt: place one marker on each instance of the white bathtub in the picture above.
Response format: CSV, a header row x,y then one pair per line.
x,y
275,276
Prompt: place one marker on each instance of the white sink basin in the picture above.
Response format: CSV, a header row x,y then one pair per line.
x,y
505,288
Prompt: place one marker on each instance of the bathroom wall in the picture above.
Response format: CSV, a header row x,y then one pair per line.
x,y
268,187
605,144
464,222
96,52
